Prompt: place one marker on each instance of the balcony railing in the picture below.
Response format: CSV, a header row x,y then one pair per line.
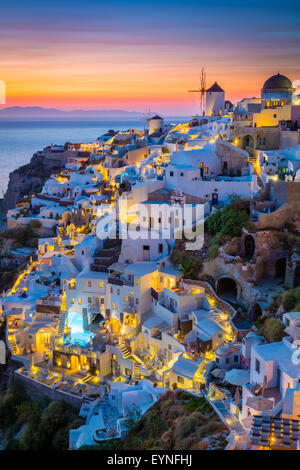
x,y
129,308
116,281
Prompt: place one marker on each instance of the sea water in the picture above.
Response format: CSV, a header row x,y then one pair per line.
x,y
19,140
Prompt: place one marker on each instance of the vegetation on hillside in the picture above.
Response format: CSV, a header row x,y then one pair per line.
x,y
21,237
31,425
272,330
226,223
190,265
291,300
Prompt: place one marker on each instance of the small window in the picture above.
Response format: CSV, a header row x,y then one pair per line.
x,y
180,379
160,248
72,301
89,300
118,291
136,282
181,174
217,359
137,301
89,283
170,347
257,366
80,301
171,173
111,290
275,115
82,252
115,306
101,284
236,358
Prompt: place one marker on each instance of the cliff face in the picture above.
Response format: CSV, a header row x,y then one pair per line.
x,y
28,179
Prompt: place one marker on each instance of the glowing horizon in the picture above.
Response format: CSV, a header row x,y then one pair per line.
x,y
132,56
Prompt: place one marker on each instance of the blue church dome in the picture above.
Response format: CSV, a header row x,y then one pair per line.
x,y
279,83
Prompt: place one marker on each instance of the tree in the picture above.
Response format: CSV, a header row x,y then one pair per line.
x,y
273,330
288,300
230,220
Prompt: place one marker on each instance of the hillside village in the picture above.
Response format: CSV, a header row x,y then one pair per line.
x,y
109,323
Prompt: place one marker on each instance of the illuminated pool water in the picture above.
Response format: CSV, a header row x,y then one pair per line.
x,y
78,334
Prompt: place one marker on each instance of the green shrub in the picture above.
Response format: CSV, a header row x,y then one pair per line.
x,y
273,330
290,299
191,266
229,220
198,404
213,252
208,428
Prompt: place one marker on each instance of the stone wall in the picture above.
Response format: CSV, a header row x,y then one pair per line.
x,y
36,390
277,219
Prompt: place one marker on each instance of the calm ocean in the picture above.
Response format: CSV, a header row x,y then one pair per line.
x,y
19,140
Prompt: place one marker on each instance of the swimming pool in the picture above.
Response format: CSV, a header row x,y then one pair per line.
x,y
78,334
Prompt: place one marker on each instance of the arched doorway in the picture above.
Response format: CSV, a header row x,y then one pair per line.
x,y
203,121
227,288
255,312
249,246
280,266
248,141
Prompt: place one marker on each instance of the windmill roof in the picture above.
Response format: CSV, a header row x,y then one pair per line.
x,y
215,88
155,117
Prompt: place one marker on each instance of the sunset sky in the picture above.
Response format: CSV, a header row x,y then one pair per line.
x,y
120,54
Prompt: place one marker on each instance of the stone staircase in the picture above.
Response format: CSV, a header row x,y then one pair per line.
x,y
252,159
62,315
106,256
214,310
260,183
12,344
196,387
124,349
135,371
61,323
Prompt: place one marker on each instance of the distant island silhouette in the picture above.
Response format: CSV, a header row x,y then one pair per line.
x,y
40,112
